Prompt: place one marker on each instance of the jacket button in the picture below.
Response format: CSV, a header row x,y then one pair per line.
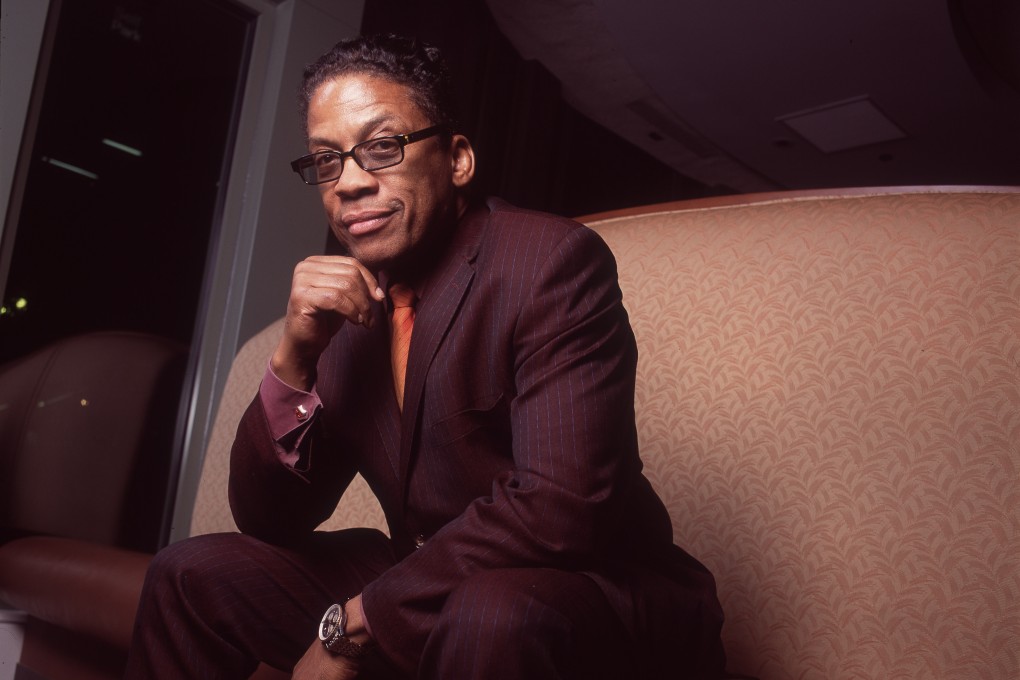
x,y
419,541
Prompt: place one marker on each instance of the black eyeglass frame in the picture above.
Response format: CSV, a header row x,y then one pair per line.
x,y
308,161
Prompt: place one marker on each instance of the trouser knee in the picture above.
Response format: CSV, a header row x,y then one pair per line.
x,y
522,623
194,563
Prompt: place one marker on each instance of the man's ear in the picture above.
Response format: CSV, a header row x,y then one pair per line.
x,y
463,159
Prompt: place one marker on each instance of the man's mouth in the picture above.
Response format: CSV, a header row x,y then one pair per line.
x,y
362,223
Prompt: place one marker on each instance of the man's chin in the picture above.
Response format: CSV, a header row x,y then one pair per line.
x,y
406,260
375,259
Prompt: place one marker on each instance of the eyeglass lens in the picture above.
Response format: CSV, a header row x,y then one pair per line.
x,y
375,154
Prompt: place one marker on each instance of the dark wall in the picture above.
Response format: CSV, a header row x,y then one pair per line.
x,y
533,148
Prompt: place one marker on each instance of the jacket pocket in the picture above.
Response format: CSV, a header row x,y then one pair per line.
x,y
490,412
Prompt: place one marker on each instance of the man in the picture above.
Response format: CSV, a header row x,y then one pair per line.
x,y
524,540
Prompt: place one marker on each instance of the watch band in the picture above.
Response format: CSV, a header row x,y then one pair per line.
x,y
333,634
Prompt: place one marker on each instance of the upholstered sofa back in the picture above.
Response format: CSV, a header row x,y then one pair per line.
x,y
829,403
86,437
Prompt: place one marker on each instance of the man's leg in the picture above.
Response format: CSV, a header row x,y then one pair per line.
x,y
214,606
527,624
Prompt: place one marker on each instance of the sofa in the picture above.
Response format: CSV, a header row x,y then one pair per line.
x,y
86,432
828,401
108,395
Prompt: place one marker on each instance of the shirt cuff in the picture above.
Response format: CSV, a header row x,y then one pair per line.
x,y
290,413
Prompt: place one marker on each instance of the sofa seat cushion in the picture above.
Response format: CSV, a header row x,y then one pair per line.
x,y
81,586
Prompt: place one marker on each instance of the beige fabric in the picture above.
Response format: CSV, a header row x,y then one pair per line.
x,y
829,401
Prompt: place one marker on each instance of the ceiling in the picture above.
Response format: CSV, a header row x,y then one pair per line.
x,y
744,95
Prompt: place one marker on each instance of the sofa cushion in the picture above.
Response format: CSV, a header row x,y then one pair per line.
x,y
86,437
829,401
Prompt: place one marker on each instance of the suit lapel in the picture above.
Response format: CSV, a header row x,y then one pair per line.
x,y
441,298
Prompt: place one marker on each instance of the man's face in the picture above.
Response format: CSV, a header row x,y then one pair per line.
x,y
382,217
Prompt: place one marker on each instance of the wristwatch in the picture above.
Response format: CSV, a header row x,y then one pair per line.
x,y
333,634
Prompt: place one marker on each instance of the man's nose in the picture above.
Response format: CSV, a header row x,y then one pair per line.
x,y
354,180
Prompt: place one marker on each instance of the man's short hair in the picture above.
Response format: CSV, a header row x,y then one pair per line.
x,y
406,61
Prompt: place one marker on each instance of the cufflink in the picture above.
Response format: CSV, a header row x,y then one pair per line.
x,y
301,413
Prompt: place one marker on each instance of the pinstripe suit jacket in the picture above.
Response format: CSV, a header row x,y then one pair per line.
x,y
516,448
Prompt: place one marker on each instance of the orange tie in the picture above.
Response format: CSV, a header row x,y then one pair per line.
x,y
401,325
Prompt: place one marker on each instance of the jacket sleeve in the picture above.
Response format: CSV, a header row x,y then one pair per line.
x,y
576,463
273,501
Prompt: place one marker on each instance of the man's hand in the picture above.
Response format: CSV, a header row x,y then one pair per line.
x,y
326,292
319,664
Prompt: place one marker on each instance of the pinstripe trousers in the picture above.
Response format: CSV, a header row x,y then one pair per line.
x,y
215,606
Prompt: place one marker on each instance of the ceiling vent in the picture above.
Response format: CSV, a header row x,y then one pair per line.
x,y
843,125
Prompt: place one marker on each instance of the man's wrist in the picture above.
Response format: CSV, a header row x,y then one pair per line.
x,y
299,374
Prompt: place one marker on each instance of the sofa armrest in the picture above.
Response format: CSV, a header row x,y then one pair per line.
x,y
81,586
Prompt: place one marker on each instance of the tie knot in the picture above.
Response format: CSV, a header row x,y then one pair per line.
x,y
401,295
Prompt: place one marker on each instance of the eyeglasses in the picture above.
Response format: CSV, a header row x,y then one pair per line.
x,y
375,154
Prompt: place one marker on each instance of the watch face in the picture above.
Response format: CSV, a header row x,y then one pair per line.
x,y
330,621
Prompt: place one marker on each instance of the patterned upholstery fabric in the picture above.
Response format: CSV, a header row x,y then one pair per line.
x,y
829,403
